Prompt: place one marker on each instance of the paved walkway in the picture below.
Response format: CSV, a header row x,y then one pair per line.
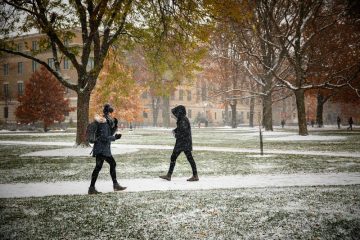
x,y
156,184
197,148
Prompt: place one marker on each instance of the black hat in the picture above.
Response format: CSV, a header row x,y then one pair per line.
x,y
107,109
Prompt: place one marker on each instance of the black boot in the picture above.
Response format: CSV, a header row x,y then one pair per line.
x,y
92,190
194,178
166,177
117,187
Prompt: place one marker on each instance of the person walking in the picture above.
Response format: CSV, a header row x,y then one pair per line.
x,y
350,123
183,143
106,127
338,121
282,123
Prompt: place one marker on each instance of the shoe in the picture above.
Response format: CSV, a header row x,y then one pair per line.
x,y
166,177
194,178
92,190
117,187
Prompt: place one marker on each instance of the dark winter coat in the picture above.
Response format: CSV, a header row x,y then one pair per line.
x,y
104,136
183,130
351,121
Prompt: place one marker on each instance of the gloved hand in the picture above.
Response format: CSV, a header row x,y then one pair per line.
x,y
118,136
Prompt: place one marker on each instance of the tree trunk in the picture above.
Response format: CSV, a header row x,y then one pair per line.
x,y
82,118
267,112
155,107
319,110
226,114
233,114
300,104
166,111
252,108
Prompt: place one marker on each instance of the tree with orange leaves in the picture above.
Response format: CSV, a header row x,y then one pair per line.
x,y
117,86
43,100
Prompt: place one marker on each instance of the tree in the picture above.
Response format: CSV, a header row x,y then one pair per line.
x,y
101,22
38,105
117,86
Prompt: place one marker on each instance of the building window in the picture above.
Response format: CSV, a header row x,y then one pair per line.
x,y
34,66
35,45
19,47
6,69
145,115
248,115
66,63
215,115
144,95
188,95
181,95
20,88
51,63
6,91
20,67
189,113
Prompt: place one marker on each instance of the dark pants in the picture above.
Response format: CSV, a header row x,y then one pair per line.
x,y
189,157
99,163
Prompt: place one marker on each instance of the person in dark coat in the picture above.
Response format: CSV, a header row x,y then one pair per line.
x,y
183,143
338,120
350,123
106,128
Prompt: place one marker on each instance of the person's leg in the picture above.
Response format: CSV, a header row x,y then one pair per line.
x,y
173,158
193,166
112,164
95,174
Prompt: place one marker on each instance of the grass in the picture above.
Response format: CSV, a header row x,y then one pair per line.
x,y
331,212
272,213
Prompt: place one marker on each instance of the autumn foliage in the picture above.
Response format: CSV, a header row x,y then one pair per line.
x,y
117,86
43,100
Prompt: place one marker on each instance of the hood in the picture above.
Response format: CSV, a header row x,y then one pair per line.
x,y
99,119
179,111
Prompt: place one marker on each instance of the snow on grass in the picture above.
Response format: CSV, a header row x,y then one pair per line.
x,y
74,152
199,148
157,184
307,138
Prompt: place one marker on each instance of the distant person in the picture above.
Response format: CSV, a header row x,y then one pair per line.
x,y
183,143
282,123
338,121
312,123
106,127
350,123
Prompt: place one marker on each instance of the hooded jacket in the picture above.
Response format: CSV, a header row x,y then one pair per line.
x,y
183,130
104,135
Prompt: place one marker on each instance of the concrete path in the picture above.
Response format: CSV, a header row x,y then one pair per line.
x,y
156,184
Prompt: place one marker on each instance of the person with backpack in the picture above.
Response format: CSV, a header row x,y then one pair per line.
x,y
183,143
106,127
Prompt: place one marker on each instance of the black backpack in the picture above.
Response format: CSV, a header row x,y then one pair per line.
x,y
91,132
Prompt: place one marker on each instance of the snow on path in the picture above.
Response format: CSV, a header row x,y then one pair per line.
x,y
157,184
75,152
198,148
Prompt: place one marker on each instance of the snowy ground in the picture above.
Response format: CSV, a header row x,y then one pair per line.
x,y
126,148
302,188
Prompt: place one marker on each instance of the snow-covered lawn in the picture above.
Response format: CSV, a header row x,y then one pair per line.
x,y
240,195
325,212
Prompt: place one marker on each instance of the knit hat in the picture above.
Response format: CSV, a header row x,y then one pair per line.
x,y
107,109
